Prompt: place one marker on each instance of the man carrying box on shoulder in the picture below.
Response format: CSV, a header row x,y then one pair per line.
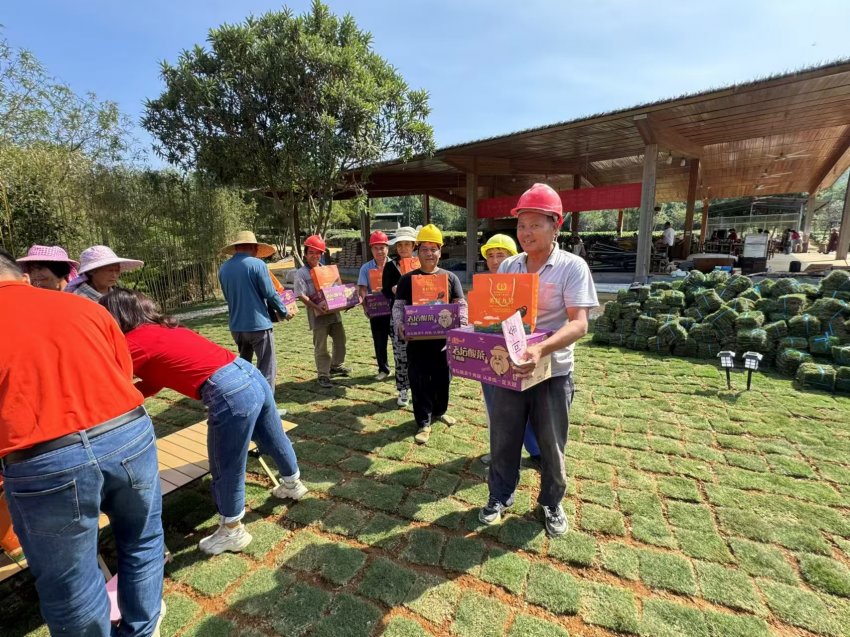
x,y
566,296
322,323
427,364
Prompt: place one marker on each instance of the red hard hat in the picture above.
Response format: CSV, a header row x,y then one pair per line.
x,y
316,242
543,199
378,238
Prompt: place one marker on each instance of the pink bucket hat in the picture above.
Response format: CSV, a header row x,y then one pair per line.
x,y
99,256
50,253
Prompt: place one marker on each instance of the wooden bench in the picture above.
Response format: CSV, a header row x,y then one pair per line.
x,y
182,459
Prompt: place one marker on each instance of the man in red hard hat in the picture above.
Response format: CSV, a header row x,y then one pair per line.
x,y
380,325
323,324
565,299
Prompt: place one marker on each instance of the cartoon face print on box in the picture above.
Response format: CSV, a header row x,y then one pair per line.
x,y
500,360
444,318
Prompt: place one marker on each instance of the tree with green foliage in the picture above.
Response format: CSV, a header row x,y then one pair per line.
x,y
297,106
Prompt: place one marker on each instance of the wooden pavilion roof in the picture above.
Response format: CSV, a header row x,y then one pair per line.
x,y
784,134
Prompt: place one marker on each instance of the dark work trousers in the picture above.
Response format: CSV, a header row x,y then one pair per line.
x,y
429,379
380,333
546,406
261,343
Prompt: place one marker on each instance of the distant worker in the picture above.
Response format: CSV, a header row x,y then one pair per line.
x,y
832,244
249,292
733,235
669,239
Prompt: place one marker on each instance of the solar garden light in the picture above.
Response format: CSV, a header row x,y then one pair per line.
x,y
751,364
727,362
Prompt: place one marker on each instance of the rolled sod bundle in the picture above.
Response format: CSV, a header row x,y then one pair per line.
x,y
788,360
708,300
841,354
751,340
630,311
601,338
653,306
811,291
624,326
743,305
776,331
677,285
633,341
783,287
835,281
612,310
828,308
716,278
766,306
749,320
823,345
794,342
617,339
695,278
838,327
702,333
660,285
765,286
692,293
671,333
673,298
697,314
687,348
723,321
840,295
791,304
816,376
643,292
664,318
646,326
687,322
804,325
751,293
842,380
602,324
736,284
627,296
708,350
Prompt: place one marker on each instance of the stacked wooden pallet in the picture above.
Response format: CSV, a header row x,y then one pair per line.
x,y
351,255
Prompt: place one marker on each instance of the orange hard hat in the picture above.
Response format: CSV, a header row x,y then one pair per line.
x,y
543,199
316,242
378,238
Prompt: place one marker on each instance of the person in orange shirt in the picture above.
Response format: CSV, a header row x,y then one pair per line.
x,y
85,446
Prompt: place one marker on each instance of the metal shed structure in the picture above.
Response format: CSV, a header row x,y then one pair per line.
x,y
788,133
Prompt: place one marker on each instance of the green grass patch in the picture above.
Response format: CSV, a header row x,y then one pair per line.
x,y
552,589
652,531
369,493
349,616
801,608
826,574
403,627
610,607
679,488
726,625
528,626
300,609
695,517
620,559
213,575
463,554
387,581
383,531
344,520
666,619
523,534
703,546
643,503
574,548
728,587
309,511
601,520
433,597
506,569
667,571
479,616
597,492
260,593
424,546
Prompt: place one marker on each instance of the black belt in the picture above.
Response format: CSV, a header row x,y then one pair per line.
x,y
70,439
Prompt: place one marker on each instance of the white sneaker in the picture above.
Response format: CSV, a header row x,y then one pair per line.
x,y
293,489
225,539
162,610
402,398
382,376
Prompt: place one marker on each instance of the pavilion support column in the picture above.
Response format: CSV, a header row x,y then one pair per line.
x,y
426,209
703,226
844,230
619,223
808,217
693,182
471,224
574,217
647,213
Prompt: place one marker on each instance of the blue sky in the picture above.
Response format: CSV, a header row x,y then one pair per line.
x,y
491,67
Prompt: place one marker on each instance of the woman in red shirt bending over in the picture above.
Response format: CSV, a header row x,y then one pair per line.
x,y
240,403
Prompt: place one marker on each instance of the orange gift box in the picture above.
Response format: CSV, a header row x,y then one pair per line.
x,y
325,276
376,280
429,289
408,265
495,297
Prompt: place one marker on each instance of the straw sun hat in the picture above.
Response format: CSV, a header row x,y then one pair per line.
x,y
246,237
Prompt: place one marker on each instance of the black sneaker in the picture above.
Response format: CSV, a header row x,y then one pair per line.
x,y
325,381
555,520
340,370
492,513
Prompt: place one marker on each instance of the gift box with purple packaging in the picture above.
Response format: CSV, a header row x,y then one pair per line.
x,y
430,321
376,305
288,298
484,357
337,297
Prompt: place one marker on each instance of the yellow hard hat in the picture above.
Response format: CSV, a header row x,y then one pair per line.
x,y
502,241
431,234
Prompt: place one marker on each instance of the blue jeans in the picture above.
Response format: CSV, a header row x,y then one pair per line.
x,y
55,500
529,440
546,406
241,409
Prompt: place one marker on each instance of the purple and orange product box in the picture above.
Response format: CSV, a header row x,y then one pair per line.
x,y
482,356
376,305
288,298
430,321
337,298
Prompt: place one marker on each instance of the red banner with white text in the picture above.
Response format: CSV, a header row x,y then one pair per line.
x,y
581,200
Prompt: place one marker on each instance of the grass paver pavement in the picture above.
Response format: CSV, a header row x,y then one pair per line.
x,y
693,511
